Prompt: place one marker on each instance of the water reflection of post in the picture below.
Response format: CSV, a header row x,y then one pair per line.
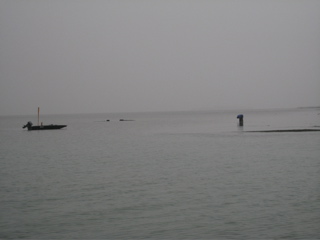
x,y
240,117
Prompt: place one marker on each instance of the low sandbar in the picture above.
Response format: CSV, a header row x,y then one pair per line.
x,y
286,130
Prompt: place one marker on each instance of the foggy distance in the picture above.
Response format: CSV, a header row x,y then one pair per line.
x,y
129,56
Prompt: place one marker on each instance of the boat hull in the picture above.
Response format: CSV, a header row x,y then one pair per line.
x,y
46,127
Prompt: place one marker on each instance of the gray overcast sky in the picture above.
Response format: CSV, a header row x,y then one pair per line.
x,y
80,56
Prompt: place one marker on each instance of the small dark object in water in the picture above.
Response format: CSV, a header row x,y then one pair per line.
x,y
122,120
240,117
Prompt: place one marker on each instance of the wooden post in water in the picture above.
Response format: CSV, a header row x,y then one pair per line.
x,y
38,116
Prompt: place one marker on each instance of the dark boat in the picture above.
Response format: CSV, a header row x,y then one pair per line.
x,y
43,127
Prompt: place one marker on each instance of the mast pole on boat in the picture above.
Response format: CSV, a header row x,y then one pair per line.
x,y
38,115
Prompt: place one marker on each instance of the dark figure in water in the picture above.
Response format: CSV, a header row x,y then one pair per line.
x,y
28,125
240,117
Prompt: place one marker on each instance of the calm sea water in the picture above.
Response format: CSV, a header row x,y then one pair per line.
x,y
178,175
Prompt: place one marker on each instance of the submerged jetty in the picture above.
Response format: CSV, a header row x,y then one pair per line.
x,y
286,130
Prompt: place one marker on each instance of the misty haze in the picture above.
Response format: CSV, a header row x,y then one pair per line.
x,y
168,119
133,56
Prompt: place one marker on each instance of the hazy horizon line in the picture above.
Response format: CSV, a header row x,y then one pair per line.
x,y
226,109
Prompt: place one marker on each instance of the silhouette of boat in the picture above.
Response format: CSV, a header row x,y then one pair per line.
x,y
43,127
30,126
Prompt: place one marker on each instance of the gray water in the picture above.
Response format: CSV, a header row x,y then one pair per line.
x,y
178,175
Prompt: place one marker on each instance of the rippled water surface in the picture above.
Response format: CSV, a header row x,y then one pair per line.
x,y
178,175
